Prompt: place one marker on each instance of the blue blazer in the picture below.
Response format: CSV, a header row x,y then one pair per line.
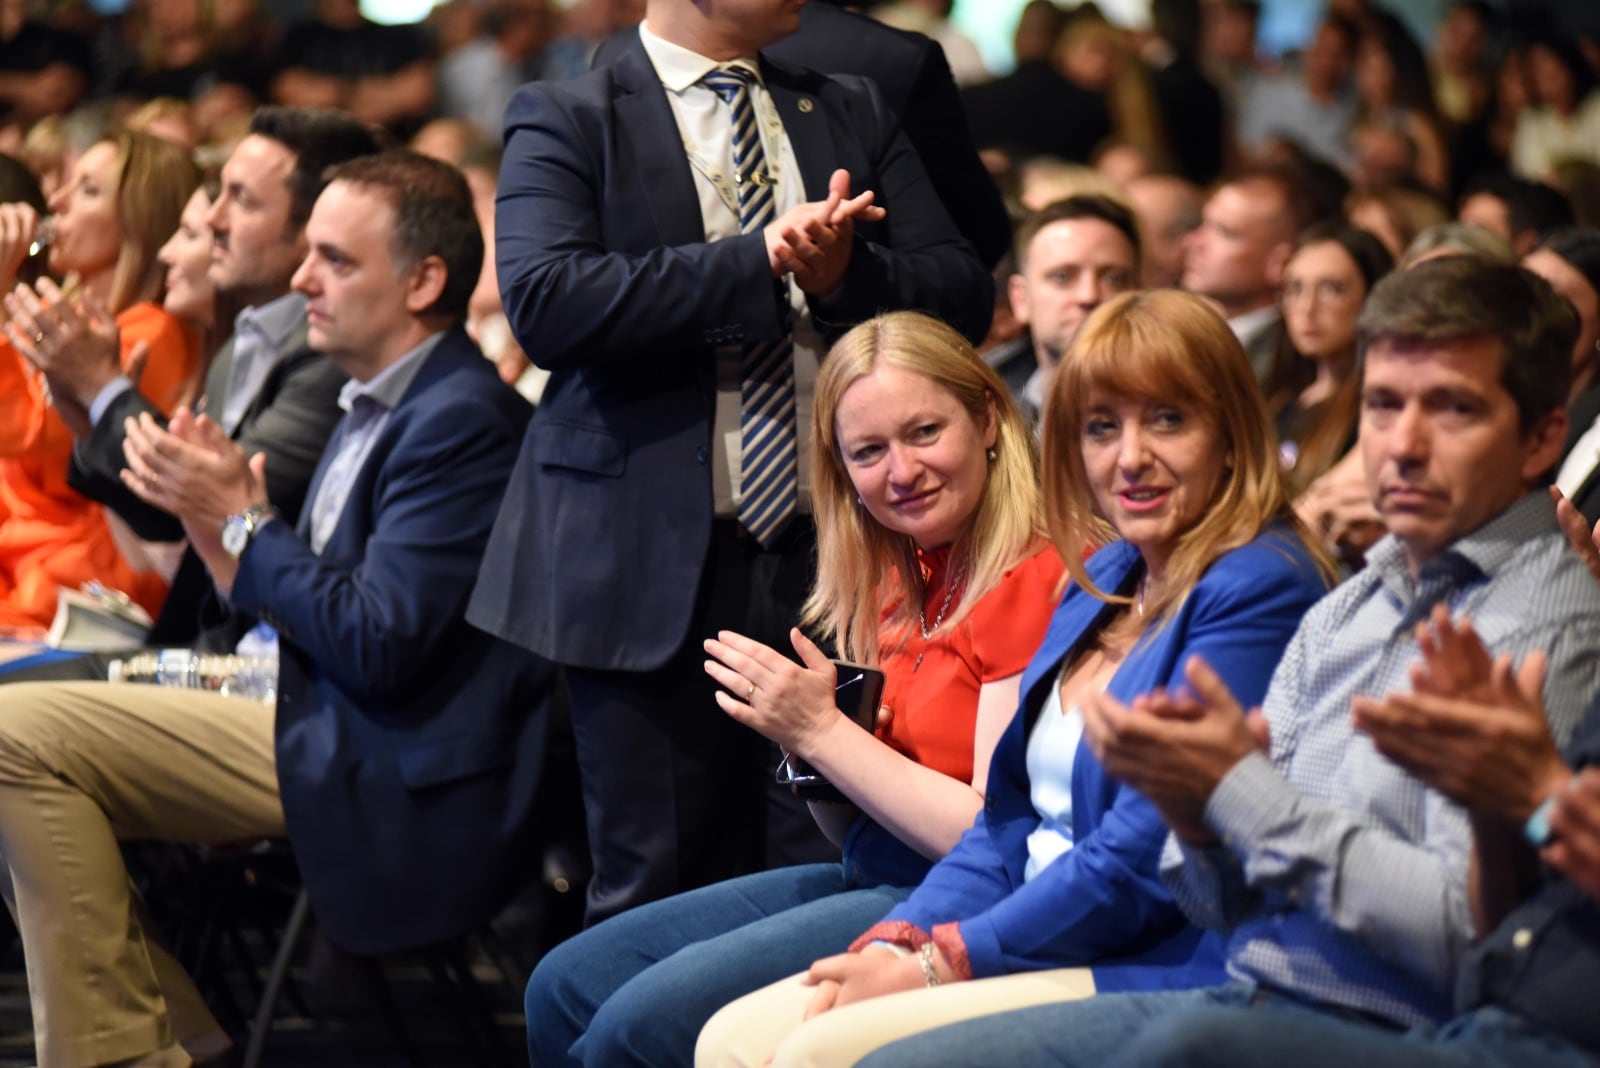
x,y
1102,903
609,282
408,743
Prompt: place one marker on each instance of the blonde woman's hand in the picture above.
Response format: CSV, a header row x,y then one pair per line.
x,y
790,703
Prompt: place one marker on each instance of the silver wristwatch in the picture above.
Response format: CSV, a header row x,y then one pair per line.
x,y
238,529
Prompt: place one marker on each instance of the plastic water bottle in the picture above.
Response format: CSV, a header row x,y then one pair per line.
x,y
178,667
254,678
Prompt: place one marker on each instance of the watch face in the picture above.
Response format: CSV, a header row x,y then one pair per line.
x,y
235,535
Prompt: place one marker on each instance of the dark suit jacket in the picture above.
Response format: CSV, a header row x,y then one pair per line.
x,y
289,420
609,282
916,83
408,743
1581,416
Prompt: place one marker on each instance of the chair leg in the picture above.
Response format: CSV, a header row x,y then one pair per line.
x,y
275,980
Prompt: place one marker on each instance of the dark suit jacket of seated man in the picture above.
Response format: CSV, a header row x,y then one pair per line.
x,y
403,754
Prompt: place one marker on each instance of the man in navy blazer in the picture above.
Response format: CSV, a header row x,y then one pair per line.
x,y
403,753
624,271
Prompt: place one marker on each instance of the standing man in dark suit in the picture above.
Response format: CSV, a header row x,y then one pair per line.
x,y
402,755
267,388
678,241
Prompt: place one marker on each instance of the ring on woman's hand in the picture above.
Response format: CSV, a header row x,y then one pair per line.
x,y
750,694
38,339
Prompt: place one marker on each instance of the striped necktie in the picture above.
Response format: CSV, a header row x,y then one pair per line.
x,y
769,481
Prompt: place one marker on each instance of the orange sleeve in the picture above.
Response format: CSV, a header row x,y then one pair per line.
x,y
174,352
1009,623
27,422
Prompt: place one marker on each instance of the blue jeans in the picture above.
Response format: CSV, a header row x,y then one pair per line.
x,y
1236,1025
636,989
1230,1037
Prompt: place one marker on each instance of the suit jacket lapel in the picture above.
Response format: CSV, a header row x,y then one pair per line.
x,y
1069,628
809,134
649,147
452,349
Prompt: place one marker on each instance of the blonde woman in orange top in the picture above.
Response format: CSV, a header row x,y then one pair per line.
x,y
120,203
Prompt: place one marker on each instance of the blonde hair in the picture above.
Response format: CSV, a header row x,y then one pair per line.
x,y
1164,343
856,554
154,180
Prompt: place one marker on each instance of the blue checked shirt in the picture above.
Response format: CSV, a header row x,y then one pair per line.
x,y
1342,879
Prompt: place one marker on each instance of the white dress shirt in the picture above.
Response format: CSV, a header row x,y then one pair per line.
x,y
706,126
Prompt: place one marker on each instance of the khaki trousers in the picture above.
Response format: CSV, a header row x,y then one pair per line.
x,y
771,1021
83,765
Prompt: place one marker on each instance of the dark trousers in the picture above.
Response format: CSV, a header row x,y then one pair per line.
x,y
676,793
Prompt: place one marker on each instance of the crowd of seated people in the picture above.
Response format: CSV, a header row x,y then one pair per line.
x,y
1205,447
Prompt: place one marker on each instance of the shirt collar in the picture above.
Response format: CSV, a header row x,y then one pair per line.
x,y
1486,550
679,67
275,320
1251,323
388,387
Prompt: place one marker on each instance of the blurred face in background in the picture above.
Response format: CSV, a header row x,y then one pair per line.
x,y
1327,59
1567,280
88,231
1552,82
1069,269
1322,295
187,258
1236,256
1461,38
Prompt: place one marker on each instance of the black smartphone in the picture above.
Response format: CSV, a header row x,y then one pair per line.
x,y
858,691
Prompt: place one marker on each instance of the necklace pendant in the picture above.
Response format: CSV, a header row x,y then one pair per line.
x,y
919,661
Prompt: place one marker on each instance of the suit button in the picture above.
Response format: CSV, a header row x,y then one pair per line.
x,y
701,456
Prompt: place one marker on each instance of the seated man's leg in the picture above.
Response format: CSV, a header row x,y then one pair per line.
x,y
1083,1034
81,766
78,667
1272,1035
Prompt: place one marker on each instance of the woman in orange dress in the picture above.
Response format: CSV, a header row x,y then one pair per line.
x,y
122,201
